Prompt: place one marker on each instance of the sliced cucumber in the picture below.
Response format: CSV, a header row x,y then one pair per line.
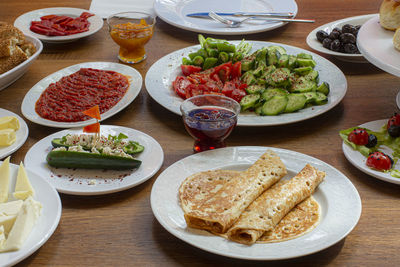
x,y
269,93
303,70
259,71
321,99
248,78
306,62
324,88
292,63
302,86
275,105
310,97
278,48
273,57
313,75
295,102
255,89
304,56
249,101
280,78
283,61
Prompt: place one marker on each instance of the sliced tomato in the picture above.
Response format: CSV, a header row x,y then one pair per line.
x,y
238,94
237,70
229,87
189,69
213,86
180,85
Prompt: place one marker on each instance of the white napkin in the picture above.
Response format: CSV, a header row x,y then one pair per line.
x,y
105,8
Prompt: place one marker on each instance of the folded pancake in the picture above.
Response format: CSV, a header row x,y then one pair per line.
x,y
268,209
218,213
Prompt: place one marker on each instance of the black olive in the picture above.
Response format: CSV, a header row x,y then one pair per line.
x,y
347,28
327,43
334,35
394,130
351,49
347,38
372,141
321,35
337,30
335,45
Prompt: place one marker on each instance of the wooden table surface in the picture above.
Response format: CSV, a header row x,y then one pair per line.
x,y
120,229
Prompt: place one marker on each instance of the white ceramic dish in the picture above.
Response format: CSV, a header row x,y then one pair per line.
x,y
7,78
316,45
23,22
28,104
96,182
376,45
21,134
46,223
359,161
339,200
174,12
161,74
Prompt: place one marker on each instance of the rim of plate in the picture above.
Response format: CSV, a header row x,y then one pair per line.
x,y
348,151
231,249
34,93
227,31
96,23
316,45
154,82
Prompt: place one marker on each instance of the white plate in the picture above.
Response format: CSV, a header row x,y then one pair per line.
x,y
28,104
161,74
174,12
21,134
316,45
339,200
46,223
359,161
96,182
376,45
23,22
8,77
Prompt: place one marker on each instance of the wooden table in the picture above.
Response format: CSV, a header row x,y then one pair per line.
x,y
120,229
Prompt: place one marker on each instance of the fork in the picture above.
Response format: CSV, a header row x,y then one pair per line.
x,y
236,23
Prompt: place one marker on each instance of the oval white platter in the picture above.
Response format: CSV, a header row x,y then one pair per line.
x,y
339,200
96,182
28,104
359,161
316,45
162,73
174,12
46,223
21,134
23,23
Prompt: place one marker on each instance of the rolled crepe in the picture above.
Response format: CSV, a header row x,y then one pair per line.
x,y
218,213
267,210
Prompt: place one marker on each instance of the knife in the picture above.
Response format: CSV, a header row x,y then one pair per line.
x,y
243,14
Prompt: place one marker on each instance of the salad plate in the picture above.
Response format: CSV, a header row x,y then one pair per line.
x,y
96,181
359,161
339,200
174,12
28,104
162,73
316,45
21,134
376,45
46,223
23,23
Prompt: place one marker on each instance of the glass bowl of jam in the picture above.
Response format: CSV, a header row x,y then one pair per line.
x,y
131,31
209,119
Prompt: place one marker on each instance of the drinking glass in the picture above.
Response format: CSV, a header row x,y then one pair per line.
x,y
209,119
131,31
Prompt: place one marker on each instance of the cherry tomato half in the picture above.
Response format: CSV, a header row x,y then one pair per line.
x,y
189,69
359,137
379,161
394,120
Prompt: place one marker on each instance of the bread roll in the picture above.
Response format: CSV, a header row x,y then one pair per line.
x,y
389,14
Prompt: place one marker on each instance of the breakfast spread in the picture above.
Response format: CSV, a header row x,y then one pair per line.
x,y
19,212
53,25
14,48
241,205
8,126
340,39
65,100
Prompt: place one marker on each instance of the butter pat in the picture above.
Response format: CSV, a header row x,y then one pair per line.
x,y
7,137
23,188
9,122
4,180
24,223
8,214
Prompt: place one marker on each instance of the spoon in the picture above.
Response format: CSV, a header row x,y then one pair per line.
x,y
236,23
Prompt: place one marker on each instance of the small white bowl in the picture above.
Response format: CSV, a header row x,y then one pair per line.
x,y
316,45
7,78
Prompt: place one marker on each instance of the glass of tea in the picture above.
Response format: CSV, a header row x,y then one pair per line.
x,y
209,119
131,31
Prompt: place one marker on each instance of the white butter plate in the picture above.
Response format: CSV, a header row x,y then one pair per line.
x,y
174,12
28,104
316,45
376,45
96,182
162,73
23,23
359,161
339,200
46,223
21,134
